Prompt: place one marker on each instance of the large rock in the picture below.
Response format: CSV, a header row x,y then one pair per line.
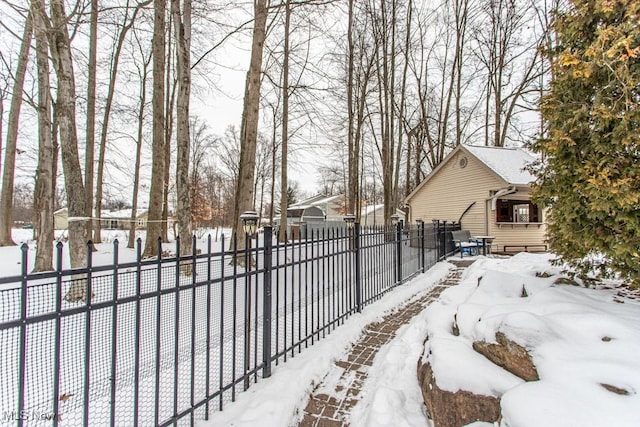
x,y
509,355
455,409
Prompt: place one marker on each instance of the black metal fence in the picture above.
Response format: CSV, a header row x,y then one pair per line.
x,y
168,340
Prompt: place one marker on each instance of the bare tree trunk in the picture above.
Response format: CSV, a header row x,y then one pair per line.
x,y
91,114
2,98
60,47
182,25
353,155
284,185
396,146
403,104
273,169
171,85
45,178
407,184
419,147
461,30
366,69
154,227
136,176
385,84
6,194
262,184
250,116
486,114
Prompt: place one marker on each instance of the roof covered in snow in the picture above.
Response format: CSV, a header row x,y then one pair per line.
x,y
319,200
508,163
123,213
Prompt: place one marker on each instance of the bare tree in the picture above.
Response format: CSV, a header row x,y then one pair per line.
x,y
352,148
274,155
202,195
91,113
284,184
229,154
154,227
263,170
249,130
171,85
385,24
4,93
143,72
510,57
127,24
443,73
65,108
182,26
45,178
6,194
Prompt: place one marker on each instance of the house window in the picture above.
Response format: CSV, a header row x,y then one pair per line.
x,y
518,211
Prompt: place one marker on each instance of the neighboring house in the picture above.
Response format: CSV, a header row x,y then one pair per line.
x,y
317,209
121,219
371,215
304,213
61,219
487,190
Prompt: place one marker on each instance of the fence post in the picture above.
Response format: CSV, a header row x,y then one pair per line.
x,y
87,333
247,312
22,368
399,251
56,357
421,231
266,302
436,237
444,239
356,248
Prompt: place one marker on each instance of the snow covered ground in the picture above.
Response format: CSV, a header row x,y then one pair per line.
x,y
580,339
10,255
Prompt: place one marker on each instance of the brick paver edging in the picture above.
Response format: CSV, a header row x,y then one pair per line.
x,y
333,399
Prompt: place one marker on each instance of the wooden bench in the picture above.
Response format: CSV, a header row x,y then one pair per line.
x,y
525,248
463,240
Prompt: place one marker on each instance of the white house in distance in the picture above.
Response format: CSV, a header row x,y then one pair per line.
x,y
487,190
109,219
121,219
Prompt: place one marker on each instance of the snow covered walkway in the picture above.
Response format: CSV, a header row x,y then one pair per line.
x,y
338,393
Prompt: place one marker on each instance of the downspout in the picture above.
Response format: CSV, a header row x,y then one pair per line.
x,y
494,199
465,211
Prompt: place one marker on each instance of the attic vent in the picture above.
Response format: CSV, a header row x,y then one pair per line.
x,y
463,162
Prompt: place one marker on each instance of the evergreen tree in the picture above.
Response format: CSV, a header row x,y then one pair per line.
x,y
589,176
